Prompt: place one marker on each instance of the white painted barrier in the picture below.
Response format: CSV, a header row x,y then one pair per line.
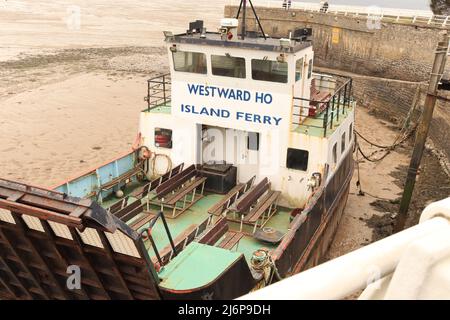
x,y
412,264
384,14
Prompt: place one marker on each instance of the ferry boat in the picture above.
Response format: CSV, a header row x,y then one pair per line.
x,y
238,178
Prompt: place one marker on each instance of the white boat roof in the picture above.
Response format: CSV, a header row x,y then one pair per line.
x,y
254,43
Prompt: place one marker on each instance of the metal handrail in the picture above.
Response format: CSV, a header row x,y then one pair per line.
x,y
150,238
158,91
333,107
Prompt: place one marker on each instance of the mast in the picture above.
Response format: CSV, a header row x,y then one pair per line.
x,y
243,7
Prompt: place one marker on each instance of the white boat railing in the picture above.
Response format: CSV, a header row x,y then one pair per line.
x,y
395,15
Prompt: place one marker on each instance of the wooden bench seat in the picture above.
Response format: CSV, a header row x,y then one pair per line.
x,y
223,204
263,204
265,208
230,197
182,240
119,205
130,211
258,203
152,185
172,200
216,232
181,187
146,217
135,209
175,182
249,198
232,238
127,175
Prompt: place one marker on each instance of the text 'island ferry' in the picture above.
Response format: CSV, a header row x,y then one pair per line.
x,y
238,178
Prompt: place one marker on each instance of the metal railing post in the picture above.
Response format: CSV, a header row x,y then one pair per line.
x,y
334,107
325,120
164,90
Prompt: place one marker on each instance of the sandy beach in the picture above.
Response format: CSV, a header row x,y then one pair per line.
x,y
71,92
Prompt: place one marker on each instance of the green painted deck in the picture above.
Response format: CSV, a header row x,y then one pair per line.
x,y
314,126
199,213
162,108
182,273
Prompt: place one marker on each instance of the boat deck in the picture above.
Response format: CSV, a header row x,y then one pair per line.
x,y
197,214
314,126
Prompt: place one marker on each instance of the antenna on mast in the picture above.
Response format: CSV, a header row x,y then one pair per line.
x,y
243,7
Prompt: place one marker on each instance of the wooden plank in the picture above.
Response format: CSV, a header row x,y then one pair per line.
x,y
177,169
225,199
118,205
186,190
228,236
16,196
175,182
264,206
78,212
49,204
256,212
40,213
215,233
232,240
250,197
146,218
128,209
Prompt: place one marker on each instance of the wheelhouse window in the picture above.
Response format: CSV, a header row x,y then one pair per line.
x,y
269,70
228,66
299,70
297,159
310,68
193,62
163,138
343,143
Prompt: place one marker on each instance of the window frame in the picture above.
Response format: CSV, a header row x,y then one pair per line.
x,y
192,52
228,56
302,59
257,141
334,154
273,61
302,166
170,144
350,133
343,142
310,68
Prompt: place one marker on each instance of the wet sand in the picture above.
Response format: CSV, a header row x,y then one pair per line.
x,y
33,27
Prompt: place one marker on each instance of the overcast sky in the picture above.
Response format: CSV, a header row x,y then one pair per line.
x,y
406,4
